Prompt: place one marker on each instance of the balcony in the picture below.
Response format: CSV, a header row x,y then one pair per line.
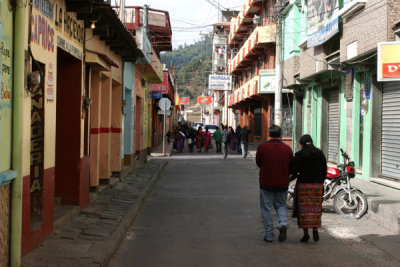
x,y
249,89
243,21
261,35
159,25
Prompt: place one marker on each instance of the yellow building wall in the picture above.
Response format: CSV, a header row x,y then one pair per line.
x,y
51,27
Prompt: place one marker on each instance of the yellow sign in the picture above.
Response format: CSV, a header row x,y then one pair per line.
x,y
389,61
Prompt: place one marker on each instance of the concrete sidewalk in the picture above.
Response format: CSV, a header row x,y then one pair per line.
x,y
91,237
383,201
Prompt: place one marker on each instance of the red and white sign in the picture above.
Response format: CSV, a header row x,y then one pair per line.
x,y
389,61
162,87
204,100
184,100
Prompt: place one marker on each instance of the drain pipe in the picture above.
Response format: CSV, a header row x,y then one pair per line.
x,y
18,103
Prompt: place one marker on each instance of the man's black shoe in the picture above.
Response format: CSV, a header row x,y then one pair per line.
x,y
267,240
282,233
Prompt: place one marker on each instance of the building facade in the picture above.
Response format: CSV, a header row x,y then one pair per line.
x,y
252,65
334,70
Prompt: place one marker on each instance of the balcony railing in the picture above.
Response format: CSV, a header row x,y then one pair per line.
x,y
247,90
260,35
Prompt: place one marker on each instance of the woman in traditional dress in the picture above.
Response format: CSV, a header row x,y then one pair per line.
x,y
199,139
180,140
309,168
207,140
232,144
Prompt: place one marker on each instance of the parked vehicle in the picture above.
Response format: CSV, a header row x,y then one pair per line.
x,y
211,128
196,125
347,200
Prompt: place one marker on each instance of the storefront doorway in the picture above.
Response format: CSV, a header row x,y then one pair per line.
x,y
69,188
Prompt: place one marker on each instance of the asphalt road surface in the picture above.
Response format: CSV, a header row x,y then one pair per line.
x,y
204,211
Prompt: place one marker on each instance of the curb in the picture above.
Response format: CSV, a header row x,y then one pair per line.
x,y
387,215
107,249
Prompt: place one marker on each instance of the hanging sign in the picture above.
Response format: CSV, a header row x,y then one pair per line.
x,y
220,82
204,100
184,100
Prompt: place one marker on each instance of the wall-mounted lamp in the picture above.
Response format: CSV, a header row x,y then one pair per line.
x,y
93,25
34,80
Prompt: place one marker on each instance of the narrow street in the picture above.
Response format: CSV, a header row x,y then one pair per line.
x,y
204,211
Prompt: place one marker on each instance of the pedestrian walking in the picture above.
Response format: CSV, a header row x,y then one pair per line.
x,y
225,139
191,139
207,140
168,135
180,140
199,139
232,143
238,137
309,167
244,140
217,136
274,158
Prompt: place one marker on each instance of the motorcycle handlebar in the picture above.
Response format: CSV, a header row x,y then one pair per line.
x,y
344,154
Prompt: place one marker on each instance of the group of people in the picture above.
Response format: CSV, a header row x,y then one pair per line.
x,y
276,162
225,139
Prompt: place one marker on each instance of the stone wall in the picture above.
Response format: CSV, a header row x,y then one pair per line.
x,y
367,26
312,60
291,66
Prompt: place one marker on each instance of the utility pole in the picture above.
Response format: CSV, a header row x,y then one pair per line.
x,y
122,11
279,69
146,20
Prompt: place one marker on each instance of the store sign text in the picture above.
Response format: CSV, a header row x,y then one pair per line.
x,y
391,70
42,33
44,7
37,141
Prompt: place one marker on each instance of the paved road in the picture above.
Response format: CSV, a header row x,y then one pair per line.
x,y
205,212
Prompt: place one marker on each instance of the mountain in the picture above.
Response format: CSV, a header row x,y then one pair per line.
x,y
193,65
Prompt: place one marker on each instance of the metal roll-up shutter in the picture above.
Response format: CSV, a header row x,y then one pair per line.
x,y
333,125
302,114
391,130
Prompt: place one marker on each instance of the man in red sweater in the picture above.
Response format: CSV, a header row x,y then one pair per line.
x,y
274,158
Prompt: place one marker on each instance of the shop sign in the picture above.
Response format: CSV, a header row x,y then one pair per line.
x,y
267,82
37,151
184,100
323,21
389,61
156,95
163,86
202,100
220,82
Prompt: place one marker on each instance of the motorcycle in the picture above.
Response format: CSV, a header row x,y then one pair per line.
x,y
347,200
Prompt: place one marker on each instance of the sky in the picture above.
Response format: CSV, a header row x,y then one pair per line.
x,y
189,18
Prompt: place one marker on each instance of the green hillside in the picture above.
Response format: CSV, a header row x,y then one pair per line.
x,y
193,65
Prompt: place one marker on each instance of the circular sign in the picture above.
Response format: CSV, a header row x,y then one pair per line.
x,y
164,103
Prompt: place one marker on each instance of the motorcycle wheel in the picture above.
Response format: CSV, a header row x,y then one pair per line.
x,y
354,208
290,194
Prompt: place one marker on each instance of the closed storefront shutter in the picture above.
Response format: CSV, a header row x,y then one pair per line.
x,y
391,130
333,125
302,115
